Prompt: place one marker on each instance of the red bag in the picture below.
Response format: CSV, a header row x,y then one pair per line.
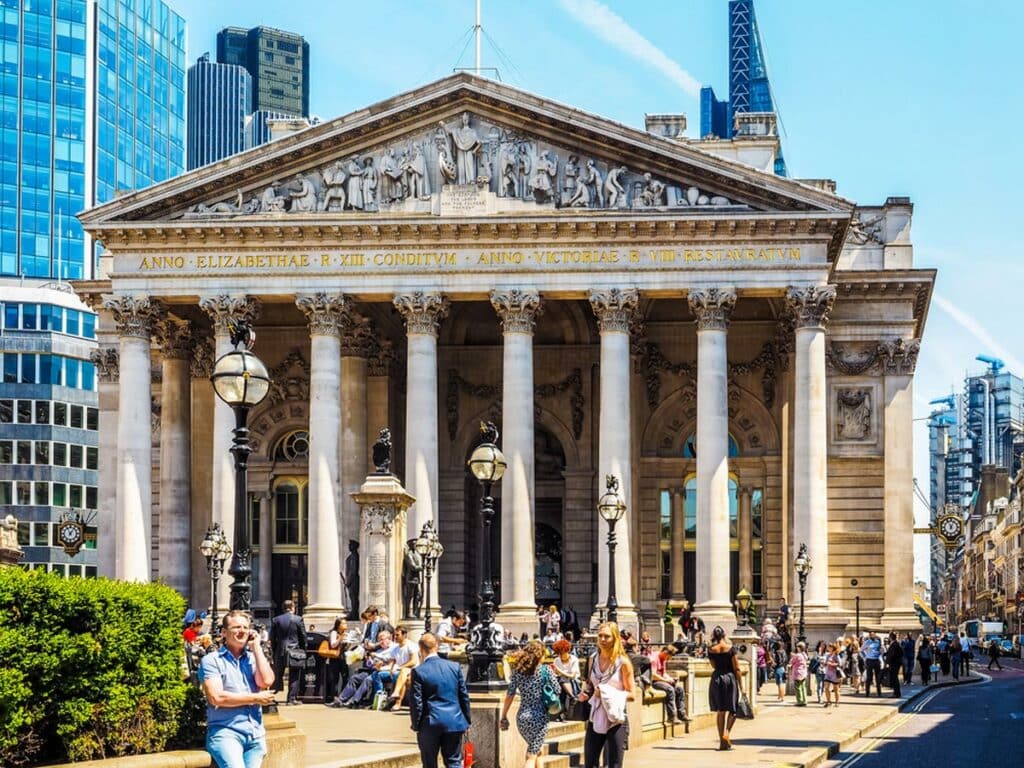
x,y
467,754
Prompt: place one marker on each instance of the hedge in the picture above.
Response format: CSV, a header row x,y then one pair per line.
x,y
91,668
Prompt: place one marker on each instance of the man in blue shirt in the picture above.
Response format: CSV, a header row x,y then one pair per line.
x,y
872,650
236,680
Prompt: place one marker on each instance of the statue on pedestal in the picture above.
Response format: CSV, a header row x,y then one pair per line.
x,y
352,579
412,581
382,453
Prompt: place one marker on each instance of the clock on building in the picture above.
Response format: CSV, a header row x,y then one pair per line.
x,y
71,536
950,529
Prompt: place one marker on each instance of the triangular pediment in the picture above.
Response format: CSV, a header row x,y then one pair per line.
x,y
464,146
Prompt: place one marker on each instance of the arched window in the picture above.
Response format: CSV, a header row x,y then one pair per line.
x,y
292,447
690,447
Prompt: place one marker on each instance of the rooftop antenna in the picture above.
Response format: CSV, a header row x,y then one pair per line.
x,y
476,32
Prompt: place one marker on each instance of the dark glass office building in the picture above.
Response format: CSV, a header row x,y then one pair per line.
x,y
219,103
278,62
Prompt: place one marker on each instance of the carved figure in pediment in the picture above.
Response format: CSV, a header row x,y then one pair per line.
x,y
445,162
221,207
589,188
864,231
653,192
371,179
392,178
415,166
615,194
272,200
508,169
581,196
334,187
302,194
853,414
466,146
355,183
544,178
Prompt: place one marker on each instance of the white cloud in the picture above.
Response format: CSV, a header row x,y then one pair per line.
x,y
989,345
613,29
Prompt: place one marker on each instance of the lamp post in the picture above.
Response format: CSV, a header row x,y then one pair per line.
x,y
611,507
216,550
428,547
856,603
743,600
803,566
487,463
240,379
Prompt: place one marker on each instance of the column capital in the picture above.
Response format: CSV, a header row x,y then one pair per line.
x,y
615,307
357,335
423,312
174,339
135,315
225,310
202,360
106,360
899,356
324,311
381,358
745,490
712,307
517,309
811,306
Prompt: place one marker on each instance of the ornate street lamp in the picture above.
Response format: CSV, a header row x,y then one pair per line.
x,y
428,547
856,613
487,463
611,507
241,380
743,600
216,550
803,566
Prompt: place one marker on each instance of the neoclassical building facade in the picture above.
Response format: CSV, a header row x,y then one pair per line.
x,y
738,348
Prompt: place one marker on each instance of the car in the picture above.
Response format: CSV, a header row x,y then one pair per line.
x,y
1006,647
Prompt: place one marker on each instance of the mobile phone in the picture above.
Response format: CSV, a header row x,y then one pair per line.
x,y
252,635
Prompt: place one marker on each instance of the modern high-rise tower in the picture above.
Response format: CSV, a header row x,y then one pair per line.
x,y
219,103
749,89
278,62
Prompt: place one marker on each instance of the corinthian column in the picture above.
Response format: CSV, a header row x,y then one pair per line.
x,y
357,343
423,313
614,308
810,308
518,311
712,308
135,317
225,311
746,537
175,340
324,311
106,360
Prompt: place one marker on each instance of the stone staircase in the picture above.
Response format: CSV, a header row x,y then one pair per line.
x,y
564,746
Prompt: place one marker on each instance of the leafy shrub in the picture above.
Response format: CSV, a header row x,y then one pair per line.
x,y
91,667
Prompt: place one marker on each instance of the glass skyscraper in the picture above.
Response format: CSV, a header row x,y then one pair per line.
x,y
92,94
219,103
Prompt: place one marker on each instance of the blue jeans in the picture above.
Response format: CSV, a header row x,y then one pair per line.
x,y
231,749
382,676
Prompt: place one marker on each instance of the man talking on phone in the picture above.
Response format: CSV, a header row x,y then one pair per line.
x,y
236,680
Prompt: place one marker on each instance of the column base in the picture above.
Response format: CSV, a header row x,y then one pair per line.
x,y
322,617
901,620
628,617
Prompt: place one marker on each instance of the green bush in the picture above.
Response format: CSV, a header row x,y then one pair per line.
x,y
91,667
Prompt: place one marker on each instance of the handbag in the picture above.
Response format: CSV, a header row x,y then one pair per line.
x,y
296,656
549,693
743,709
325,651
577,711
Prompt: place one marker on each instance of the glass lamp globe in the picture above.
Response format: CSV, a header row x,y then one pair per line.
x,y
611,507
487,463
240,378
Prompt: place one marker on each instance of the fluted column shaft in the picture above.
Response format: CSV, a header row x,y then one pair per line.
x,y
106,360
324,312
224,310
746,538
175,341
810,308
615,309
677,578
134,317
266,543
712,307
423,313
517,310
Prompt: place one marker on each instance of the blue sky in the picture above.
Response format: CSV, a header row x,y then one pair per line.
x,y
887,97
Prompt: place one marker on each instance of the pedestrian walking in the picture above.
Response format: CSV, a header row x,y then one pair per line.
x,y
955,655
817,667
529,678
924,658
893,662
966,655
762,666
439,706
724,688
834,674
854,662
942,651
609,686
288,643
872,651
908,647
779,661
993,655
236,680
799,668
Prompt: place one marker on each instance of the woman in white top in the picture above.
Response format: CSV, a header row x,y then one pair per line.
x,y
611,670
566,666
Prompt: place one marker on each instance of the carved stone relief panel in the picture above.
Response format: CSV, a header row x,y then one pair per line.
x,y
854,413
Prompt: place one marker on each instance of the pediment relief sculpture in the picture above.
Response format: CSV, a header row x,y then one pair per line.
x,y
517,169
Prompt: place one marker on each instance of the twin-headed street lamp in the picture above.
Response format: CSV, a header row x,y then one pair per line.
x,y
611,507
487,463
216,550
241,380
803,567
428,547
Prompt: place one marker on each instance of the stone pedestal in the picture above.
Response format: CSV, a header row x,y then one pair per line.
x,y
383,504
286,744
493,747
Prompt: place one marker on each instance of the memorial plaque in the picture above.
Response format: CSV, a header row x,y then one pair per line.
x,y
463,200
376,574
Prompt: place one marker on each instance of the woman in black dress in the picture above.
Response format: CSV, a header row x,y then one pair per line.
x,y
724,690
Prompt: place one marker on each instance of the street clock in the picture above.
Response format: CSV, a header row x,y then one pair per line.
x,y
950,528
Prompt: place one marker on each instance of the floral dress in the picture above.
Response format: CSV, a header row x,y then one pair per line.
x,y
532,718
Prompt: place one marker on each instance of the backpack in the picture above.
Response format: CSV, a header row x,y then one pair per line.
x,y
814,666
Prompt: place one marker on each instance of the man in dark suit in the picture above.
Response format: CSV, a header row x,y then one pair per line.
x,y
439,706
287,632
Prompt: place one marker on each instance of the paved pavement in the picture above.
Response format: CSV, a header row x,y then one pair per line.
x,y
781,734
